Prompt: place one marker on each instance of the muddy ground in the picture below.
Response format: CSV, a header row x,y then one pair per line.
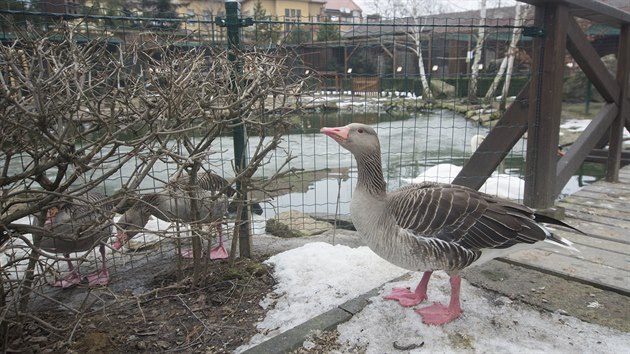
x,y
158,309
215,316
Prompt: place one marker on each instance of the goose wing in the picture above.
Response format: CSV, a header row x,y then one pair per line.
x,y
464,216
81,218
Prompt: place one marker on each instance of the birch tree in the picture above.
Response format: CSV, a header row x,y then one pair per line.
x,y
415,35
481,38
507,64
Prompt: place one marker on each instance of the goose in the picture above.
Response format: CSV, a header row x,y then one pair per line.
x,y
173,203
211,181
78,226
433,226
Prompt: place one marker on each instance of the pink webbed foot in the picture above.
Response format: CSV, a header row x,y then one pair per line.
x,y
70,280
219,252
438,314
409,298
406,297
100,278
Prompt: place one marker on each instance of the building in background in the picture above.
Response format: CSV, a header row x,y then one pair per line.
x,y
291,10
343,11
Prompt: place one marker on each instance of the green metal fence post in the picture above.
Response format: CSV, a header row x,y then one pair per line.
x,y
233,23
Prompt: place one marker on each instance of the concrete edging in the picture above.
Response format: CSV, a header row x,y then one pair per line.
x,y
293,338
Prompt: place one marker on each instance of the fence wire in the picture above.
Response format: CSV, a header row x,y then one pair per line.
x,y
121,105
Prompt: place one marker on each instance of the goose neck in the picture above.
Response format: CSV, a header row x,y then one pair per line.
x,y
370,174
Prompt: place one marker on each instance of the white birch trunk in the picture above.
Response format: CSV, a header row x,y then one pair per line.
x,y
481,37
516,36
416,36
521,13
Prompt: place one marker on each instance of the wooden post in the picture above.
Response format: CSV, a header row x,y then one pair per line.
x,y
545,105
616,132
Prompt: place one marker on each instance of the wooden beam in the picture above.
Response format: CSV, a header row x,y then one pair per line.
x,y
616,130
579,150
595,11
590,62
545,106
601,156
500,140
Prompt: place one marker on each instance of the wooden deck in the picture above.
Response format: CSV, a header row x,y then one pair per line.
x,y
602,211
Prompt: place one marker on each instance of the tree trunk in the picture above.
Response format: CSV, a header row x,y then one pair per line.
x,y
481,37
516,36
521,13
426,89
416,36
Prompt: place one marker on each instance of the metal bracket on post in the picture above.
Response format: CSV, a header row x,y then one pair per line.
x,y
233,23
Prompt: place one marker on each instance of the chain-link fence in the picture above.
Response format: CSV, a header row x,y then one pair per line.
x,y
106,114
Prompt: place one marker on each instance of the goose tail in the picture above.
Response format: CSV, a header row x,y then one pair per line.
x,y
561,242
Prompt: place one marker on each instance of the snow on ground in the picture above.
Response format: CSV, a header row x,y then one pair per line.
x,y
579,125
317,277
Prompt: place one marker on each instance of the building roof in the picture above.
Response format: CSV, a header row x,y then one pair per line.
x,y
342,4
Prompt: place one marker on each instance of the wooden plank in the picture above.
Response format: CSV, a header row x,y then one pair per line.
x,y
601,256
500,140
580,212
613,197
580,203
590,63
596,243
601,207
610,187
596,232
624,177
572,160
545,106
599,275
602,191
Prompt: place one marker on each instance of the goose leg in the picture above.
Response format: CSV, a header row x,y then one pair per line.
x,y
100,278
408,298
219,252
437,313
73,278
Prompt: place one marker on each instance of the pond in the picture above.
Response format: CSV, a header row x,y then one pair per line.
x,y
410,142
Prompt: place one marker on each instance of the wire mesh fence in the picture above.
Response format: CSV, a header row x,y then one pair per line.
x,y
138,110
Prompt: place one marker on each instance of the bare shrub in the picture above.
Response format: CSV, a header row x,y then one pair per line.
x,y
84,116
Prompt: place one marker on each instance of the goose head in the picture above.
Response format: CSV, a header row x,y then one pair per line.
x,y
360,139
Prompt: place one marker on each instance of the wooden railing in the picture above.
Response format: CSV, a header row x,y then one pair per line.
x,y
366,86
537,109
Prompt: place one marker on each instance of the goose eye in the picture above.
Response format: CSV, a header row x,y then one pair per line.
x,y
360,130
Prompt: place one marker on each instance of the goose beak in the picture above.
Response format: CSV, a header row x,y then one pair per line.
x,y
339,134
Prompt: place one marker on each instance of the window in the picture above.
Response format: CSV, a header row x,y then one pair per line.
x,y
293,14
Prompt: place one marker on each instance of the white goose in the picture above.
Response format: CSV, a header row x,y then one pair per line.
x,y
433,226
